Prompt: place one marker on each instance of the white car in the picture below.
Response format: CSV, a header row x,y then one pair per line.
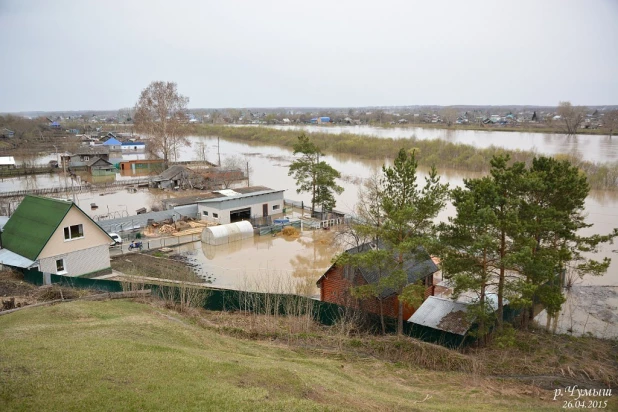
x,y
117,240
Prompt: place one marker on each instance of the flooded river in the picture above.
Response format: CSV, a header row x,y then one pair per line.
x,y
294,264
269,167
596,148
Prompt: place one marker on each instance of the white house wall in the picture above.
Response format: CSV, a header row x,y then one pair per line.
x,y
93,236
79,262
224,207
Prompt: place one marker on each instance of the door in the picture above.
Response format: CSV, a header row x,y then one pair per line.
x,y
265,209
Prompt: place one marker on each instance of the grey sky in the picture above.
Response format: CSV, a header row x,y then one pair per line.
x,y
70,55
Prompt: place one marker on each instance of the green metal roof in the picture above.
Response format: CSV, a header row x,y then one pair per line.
x,y
33,223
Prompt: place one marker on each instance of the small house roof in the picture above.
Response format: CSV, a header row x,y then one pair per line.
x,y
7,160
92,150
217,196
417,264
112,142
98,161
443,314
33,223
9,258
133,144
174,172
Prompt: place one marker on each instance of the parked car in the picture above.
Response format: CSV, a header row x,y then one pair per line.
x,y
117,240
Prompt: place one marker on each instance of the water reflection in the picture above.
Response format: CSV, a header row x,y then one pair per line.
x,y
269,166
596,148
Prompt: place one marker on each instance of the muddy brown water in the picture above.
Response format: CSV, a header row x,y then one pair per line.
x,y
294,264
269,166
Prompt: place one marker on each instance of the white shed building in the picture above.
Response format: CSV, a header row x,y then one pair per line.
x,y
229,206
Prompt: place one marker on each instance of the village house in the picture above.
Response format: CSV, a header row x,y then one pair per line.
x,y
85,154
229,206
7,162
54,236
7,133
336,282
98,167
133,146
114,144
181,177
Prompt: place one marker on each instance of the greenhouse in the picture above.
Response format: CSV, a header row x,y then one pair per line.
x,y
223,234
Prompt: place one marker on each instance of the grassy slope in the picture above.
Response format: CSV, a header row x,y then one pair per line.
x,y
121,355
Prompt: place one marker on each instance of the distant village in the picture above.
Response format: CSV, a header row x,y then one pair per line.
x,y
593,118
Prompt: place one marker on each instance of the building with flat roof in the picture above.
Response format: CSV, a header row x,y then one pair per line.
x,y
234,205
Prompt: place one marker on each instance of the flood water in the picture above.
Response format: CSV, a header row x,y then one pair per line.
x,y
295,264
596,148
269,167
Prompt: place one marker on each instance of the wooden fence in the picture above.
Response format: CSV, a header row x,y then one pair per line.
x,y
76,189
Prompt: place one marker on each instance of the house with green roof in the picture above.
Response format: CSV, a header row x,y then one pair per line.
x,y
54,236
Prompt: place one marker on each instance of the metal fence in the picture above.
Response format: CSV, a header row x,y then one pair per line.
x,y
324,313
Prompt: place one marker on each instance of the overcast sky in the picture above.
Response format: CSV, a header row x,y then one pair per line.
x,y
82,54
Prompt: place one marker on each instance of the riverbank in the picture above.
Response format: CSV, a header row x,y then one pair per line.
x,y
442,154
119,350
538,128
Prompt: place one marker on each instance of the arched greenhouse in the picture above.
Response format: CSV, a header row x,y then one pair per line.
x,y
222,234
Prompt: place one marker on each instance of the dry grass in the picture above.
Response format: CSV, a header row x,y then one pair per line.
x,y
537,357
150,265
290,231
537,353
121,355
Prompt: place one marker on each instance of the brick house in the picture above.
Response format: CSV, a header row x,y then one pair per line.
x,y
54,236
336,282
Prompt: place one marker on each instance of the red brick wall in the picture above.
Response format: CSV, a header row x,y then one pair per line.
x,y
335,288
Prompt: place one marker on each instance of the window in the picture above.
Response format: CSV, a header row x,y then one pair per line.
x,y
215,215
60,267
73,232
86,158
348,272
276,207
205,212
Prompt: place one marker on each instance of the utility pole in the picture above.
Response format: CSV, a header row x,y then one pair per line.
x,y
219,150
248,174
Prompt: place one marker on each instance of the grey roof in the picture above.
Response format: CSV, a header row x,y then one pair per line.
x,y
214,196
9,258
96,159
174,172
442,314
140,221
224,198
417,264
92,150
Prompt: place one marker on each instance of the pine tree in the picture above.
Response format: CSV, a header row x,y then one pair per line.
x,y
314,176
405,226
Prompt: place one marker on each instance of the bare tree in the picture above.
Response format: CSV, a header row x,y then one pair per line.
x,y
160,113
231,171
449,115
610,122
125,115
201,150
571,117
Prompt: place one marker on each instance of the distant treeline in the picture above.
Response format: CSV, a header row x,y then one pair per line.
x,y
442,154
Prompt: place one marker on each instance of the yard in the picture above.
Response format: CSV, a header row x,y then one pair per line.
x,y
125,355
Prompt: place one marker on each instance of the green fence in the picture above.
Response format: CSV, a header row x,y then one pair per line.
x,y
264,303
